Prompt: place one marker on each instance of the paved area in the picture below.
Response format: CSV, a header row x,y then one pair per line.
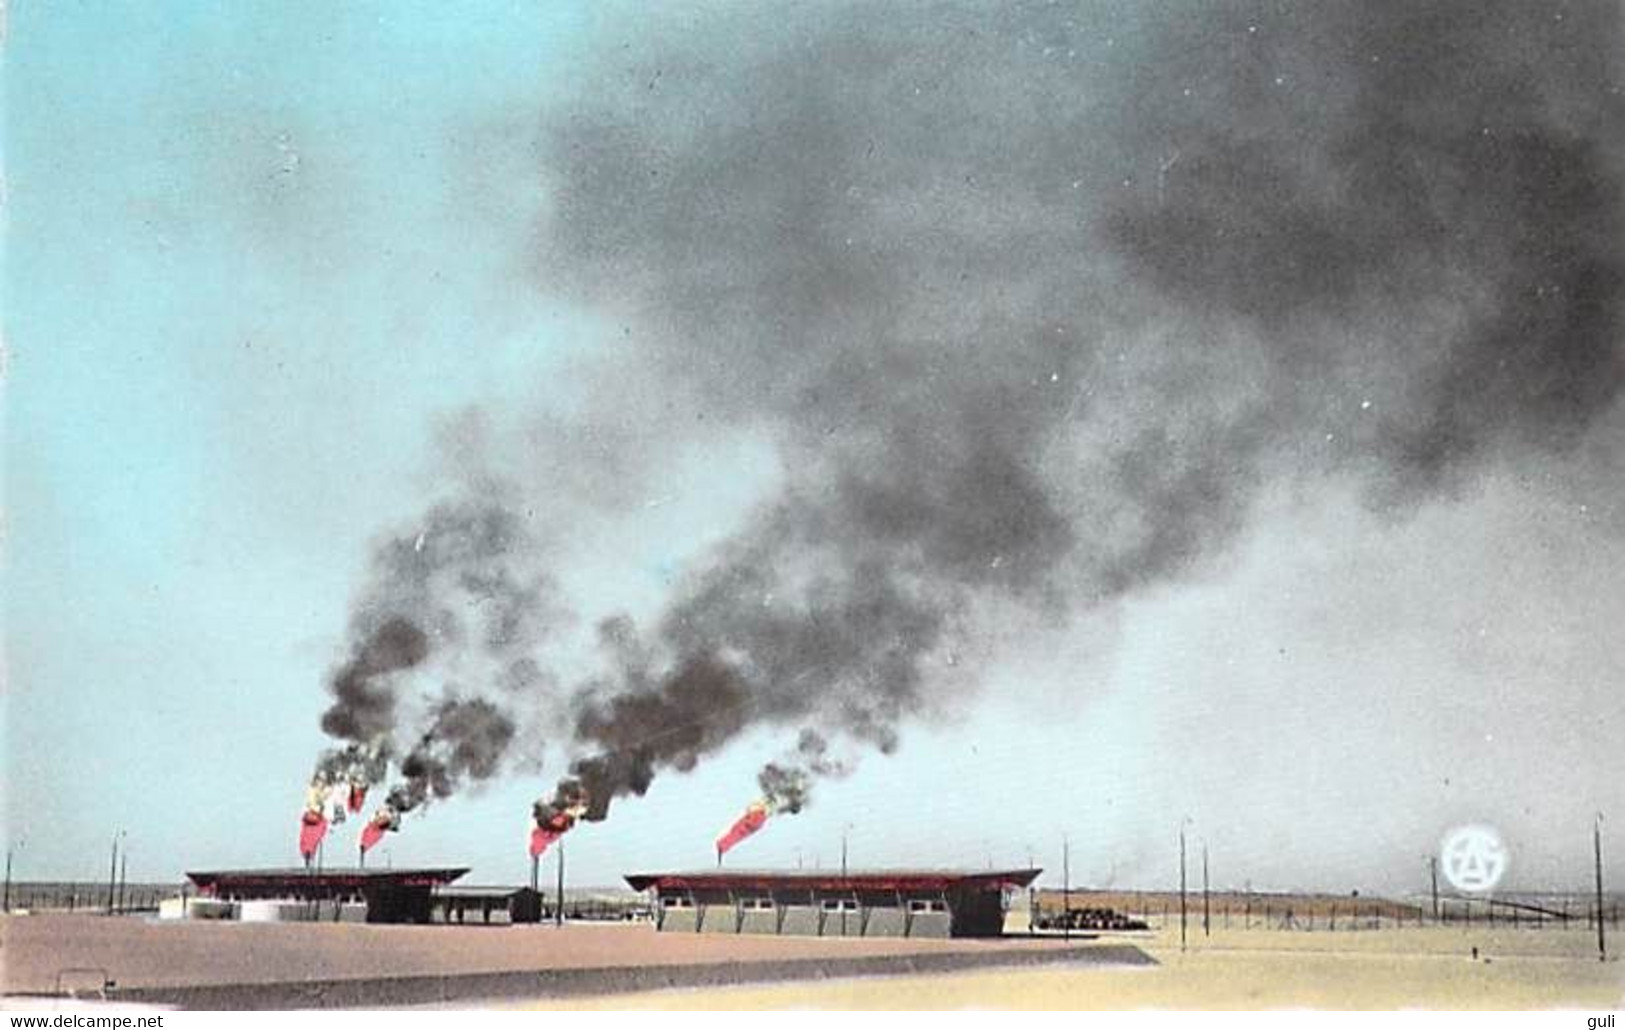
x,y
205,964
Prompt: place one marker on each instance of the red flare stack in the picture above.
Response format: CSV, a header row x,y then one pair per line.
x,y
543,834
382,821
541,840
312,828
754,819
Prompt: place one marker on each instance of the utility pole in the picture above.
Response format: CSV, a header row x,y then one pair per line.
x,y
1596,847
123,877
558,915
1066,888
1207,929
844,830
112,872
1182,910
10,849
1433,873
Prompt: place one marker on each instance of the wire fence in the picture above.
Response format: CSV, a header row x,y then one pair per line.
x,y
1262,911
1229,910
87,897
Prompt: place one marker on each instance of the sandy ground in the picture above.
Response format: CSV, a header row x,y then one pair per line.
x,y
1258,969
1245,969
135,952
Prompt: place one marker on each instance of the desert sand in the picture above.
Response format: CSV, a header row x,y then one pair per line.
x,y
1429,968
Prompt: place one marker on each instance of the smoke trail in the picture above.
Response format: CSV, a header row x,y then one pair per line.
x,y
465,742
1031,302
459,591
1031,319
364,705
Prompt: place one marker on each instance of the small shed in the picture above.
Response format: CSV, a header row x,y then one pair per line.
x,y
486,906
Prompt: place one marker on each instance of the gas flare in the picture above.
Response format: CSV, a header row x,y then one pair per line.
x,y
313,823
551,820
753,819
385,820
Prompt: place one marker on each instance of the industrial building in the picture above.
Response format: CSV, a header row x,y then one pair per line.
x,y
337,895
872,903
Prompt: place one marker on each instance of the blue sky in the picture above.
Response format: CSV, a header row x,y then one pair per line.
x,y
239,291
257,254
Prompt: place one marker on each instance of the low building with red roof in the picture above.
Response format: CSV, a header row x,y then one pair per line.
x,y
859,903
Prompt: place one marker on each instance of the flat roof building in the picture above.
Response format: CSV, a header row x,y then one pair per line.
x,y
389,895
867,903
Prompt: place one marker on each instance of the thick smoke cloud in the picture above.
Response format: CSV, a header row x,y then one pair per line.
x,y
1032,318
787,784
466,740
1033,300
364,705
1454,226
456,594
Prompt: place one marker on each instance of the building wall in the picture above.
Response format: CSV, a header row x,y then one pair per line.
x,y
799,920
886,922
400,905
976,913
930,924
759,921
797,912
677,920
718,917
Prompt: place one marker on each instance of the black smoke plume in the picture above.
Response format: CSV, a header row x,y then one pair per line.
x,y
363,708
1032,300
1031,316
465,742
787,784
459,588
